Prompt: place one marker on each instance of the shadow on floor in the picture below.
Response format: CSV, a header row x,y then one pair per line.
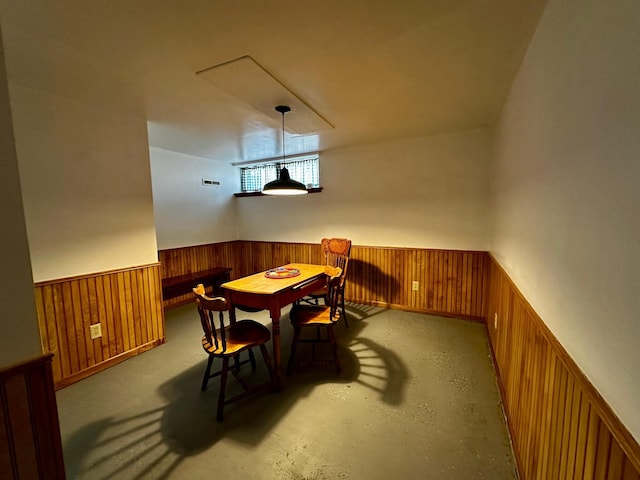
x,y
189,410
153,443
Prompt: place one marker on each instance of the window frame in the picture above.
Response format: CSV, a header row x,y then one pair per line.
x,y
276,165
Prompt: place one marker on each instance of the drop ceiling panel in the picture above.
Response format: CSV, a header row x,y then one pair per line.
x,y
249,82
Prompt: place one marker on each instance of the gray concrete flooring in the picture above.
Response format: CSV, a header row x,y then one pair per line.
x,y
417,398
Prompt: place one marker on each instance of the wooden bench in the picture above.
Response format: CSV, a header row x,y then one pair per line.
x,y
181,285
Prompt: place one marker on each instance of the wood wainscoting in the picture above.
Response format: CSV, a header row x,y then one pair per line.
x,y
30,445
243,257
560,426
450,282
127,305
184,260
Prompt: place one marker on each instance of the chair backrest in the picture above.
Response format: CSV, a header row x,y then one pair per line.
x,y
208,309
333,288
336,254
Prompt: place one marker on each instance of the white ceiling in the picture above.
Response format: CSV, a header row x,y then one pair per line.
x,y
377,70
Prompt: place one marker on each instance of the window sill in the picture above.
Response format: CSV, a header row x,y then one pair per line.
x,y
260,194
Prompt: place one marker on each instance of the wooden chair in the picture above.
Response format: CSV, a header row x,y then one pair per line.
x,y
318,316
228,341
336,254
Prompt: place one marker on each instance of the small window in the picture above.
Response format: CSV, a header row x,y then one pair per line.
x,y
305,170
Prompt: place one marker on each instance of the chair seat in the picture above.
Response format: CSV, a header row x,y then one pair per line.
x,y
240,336
322,292
312,315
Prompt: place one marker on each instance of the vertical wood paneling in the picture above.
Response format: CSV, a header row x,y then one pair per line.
x,y
581,440
30,445
560,426
184,260
450,282
592,443
126,303
540,466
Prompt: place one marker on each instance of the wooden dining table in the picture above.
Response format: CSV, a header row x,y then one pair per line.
x,y
259,291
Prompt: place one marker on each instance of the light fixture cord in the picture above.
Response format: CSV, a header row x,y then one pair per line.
x,y
283,153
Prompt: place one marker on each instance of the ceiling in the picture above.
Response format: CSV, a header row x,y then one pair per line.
x,y
374,70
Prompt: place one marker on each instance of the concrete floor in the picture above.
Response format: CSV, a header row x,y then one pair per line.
x,y
417,399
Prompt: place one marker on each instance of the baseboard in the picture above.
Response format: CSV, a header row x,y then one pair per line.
x,y
108,363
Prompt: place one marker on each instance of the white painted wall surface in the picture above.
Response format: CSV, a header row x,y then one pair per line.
x,y
425,193
86,185
186,212
20,338
566,185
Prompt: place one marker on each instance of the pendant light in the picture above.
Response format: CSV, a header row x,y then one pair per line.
x,y
284,185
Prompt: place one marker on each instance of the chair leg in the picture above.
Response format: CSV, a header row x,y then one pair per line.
x,y
207,372
313,343
267,362
223,384
344,311
294,345
334,348
252,358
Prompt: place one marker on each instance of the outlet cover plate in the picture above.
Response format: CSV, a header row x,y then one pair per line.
x,y
96,331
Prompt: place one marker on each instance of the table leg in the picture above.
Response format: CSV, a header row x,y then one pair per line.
x,y
275,338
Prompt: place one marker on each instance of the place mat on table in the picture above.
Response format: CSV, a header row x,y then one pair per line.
x,y
282,272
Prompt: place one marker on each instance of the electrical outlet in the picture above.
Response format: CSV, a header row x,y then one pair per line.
x,y
96,331
415,285
495,321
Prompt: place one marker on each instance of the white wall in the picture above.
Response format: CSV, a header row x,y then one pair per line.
x,y
20,339
86,184
186,212
566,189
426,193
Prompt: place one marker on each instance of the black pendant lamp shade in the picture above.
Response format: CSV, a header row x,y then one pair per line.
x,y
284,185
